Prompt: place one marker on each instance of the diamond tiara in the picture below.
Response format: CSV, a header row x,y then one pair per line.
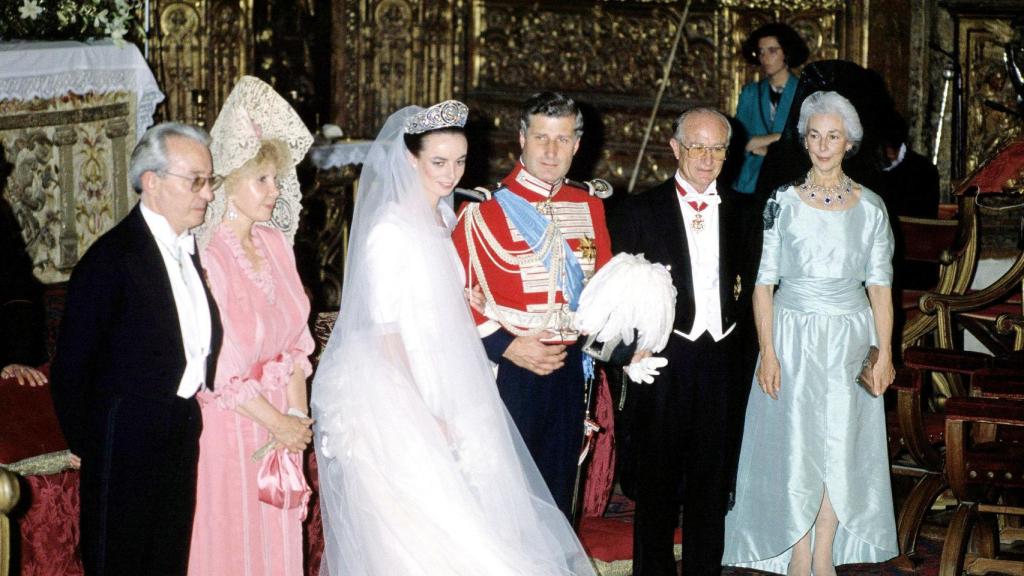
x,y
447,114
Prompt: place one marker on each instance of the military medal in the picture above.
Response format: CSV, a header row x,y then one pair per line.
x,y
697,222
737,288
588,248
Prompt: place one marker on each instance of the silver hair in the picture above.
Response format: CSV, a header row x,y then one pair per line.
x,y
553,105
678,128
150,154
832,103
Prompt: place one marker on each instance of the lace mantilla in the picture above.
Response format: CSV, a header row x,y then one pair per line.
x,y
252,113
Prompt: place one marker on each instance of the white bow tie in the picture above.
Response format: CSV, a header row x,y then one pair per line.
x,y
709,199
187,244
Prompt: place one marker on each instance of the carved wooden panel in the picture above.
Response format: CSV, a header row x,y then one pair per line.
x,y
981,48
177,52
610,56
198,49
230,49
389,54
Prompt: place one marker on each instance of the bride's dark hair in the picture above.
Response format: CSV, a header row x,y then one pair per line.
x,y
414,142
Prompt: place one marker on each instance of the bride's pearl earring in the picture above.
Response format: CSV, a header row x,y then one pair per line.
x,y
231,214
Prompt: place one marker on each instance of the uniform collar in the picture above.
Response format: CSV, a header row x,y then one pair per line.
x,y
519,179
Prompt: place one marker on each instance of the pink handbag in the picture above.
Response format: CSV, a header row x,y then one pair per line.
x,y
281,481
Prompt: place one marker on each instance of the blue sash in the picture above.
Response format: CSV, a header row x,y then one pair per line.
x,y
531,224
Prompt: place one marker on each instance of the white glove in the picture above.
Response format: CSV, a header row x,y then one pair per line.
x,y
644,371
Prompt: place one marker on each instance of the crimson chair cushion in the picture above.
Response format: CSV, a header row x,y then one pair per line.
x,y
30,426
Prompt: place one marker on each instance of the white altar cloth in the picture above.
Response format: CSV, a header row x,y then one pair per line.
x,y
36,69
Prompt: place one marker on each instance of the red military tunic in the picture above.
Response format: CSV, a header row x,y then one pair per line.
x,y
521,293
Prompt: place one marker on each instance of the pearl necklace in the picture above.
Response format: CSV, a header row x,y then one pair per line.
x,y
828,194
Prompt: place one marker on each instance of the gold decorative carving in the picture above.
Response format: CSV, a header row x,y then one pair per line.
x,y
327,210
199,48
177,52
609,55
230,49
786,5
561,46
984,72
393,53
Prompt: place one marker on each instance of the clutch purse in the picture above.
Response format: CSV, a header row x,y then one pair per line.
x,y
864,378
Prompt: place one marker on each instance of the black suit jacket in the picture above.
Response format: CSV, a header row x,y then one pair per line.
x,y
651,223
120,334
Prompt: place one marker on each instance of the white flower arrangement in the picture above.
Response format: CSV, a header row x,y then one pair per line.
x,y
70,19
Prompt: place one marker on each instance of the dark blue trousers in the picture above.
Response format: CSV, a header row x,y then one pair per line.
x,y
548,410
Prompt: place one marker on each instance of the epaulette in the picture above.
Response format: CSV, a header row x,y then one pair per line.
x,y
480,193
597,187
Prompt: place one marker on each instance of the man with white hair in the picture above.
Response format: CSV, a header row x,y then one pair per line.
x,y
681,432
139,338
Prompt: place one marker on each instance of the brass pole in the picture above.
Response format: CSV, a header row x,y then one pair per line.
x,y
661,92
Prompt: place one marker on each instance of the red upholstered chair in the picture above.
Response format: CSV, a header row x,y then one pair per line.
x,y
985,467
978,311
916,428
32,447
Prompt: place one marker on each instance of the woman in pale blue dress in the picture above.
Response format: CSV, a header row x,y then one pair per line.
x,y
813,482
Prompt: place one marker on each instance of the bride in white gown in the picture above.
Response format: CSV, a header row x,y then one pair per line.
x,y
422,471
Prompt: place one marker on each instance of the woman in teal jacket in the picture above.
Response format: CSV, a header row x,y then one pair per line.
x,y
764,105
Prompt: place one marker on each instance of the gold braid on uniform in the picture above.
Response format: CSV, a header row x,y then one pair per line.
x,y
552,244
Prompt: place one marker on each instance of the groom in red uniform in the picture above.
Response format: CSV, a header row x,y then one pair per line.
x,y
530,248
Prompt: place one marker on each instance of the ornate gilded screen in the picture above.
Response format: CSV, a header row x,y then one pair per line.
x,y
610,55
981,48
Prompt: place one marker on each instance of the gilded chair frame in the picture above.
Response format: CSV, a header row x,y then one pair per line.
x,y
955,273
9,494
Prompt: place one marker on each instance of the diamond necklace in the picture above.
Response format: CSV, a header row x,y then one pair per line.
x,y
828,194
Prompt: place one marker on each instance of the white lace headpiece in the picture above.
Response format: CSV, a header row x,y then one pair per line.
x,y
253,113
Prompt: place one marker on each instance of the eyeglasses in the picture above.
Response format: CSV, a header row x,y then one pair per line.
x,y
198,182
697,151
768,50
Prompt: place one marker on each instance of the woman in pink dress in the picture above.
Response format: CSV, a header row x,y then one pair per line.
x,y
254,420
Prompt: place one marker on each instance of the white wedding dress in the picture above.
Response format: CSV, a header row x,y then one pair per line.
x,y
422,472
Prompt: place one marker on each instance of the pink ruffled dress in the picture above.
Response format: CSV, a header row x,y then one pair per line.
x,y
266,338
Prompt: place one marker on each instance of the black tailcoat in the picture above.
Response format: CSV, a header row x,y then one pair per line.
x,y
681,434
115,377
